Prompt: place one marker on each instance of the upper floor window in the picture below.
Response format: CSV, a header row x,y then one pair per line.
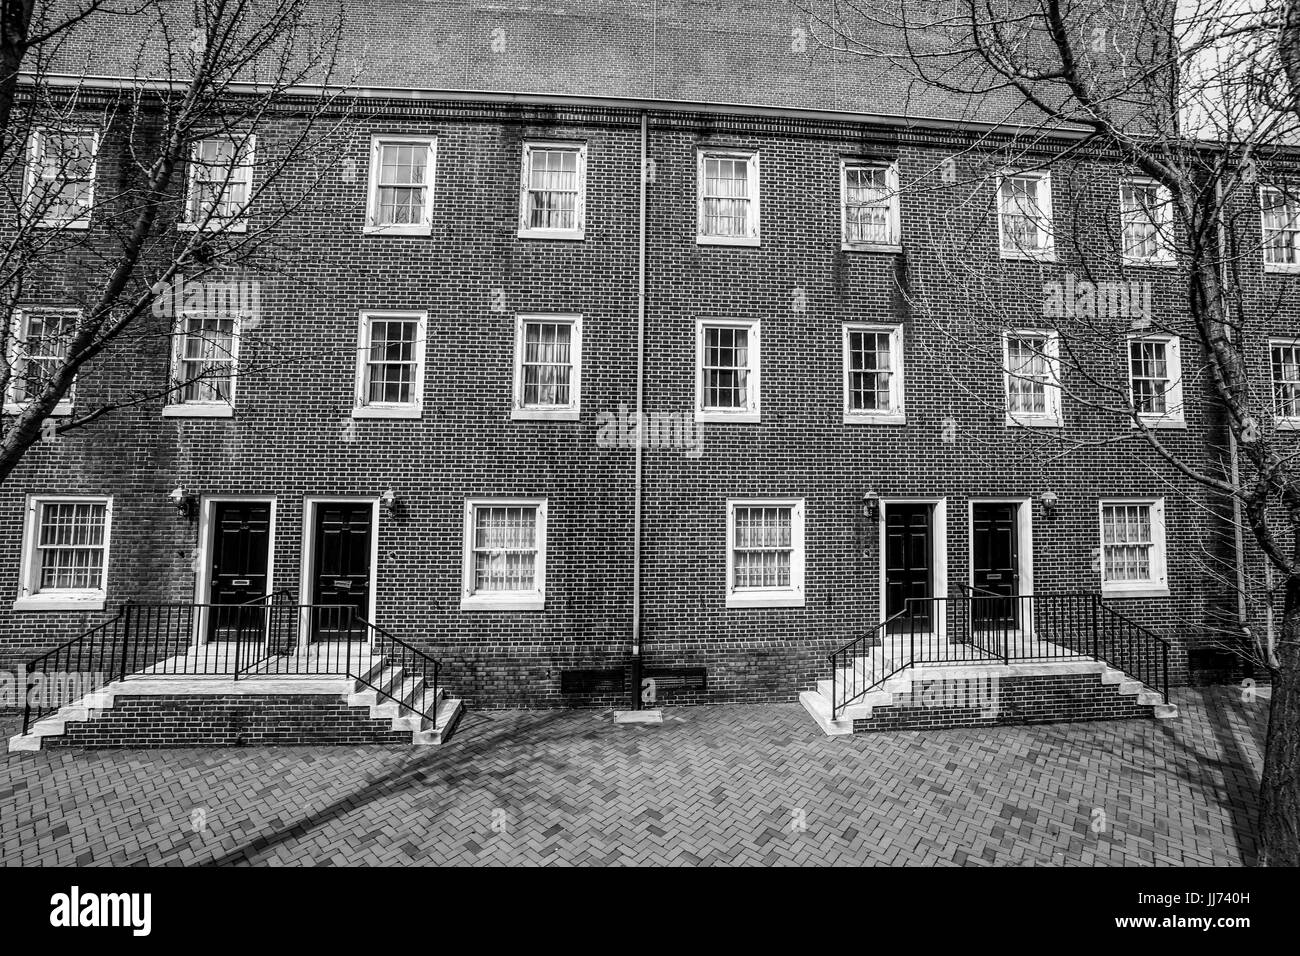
x,y
552,199
1032,370
1284,355
1025,215
220,183
1133,546
205,352
727,371
1146,221
873,373
1156,380
548,366
401,185
765,553
728,211
869,204
390,365
505,554
61,177
65,554
1281,214
38,346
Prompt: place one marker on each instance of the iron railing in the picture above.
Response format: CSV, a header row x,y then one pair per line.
x,y
271,636
980,627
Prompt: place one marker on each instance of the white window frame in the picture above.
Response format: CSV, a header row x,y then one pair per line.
x,y
1280,421
897,413
30,598
361,408
1053,416
579,229
18,334
243,170
35,147
1047,232
1164,224
894,242
566,413
1294,192
533,600
752,412
792,596
425,226
178,408
1174,417
753,174
1159,583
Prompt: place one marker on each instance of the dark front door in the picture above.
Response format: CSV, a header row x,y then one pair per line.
x,y
241,543
341,576
995,568
909,554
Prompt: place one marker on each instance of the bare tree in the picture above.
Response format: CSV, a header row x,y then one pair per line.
x,y
119,195
1186,96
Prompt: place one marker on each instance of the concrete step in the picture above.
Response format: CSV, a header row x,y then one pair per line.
x,y
444,722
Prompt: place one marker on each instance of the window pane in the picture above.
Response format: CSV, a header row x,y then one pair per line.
x,y
547,364
726,368
763,547
553,188
1286,380
1281,228
1127,542
726,196
391,361
505,548
70,546
867,204
1150,376
42,346
1028,375
870,369
205,359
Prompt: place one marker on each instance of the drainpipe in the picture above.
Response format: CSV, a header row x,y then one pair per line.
x,y
640,419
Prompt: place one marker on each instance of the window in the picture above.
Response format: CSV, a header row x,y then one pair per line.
x,y
1025,215
61,177
1155,380
1146,221
548,365
505,554
765,555
65,555
220,183
1031,359
1133,546
1281,213
1285,362
38,346
726,381
873,373
390,365
869,205
728,198
552,198
205,350
401,185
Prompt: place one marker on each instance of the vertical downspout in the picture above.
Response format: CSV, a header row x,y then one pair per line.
x,y
640,423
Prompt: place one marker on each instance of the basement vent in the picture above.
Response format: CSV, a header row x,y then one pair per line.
x,y
670,680
591,681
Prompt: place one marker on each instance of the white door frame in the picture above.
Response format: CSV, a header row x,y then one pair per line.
x,y
938,548
1024,543
203,575
309,504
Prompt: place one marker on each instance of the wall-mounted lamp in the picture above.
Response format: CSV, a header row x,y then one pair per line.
x,y
388,501
186,504
871,506
1049,500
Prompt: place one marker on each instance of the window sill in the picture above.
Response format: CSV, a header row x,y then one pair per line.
x,y
17,408
887,247
752,242
213,226
761,599
891,418
1282,268
1161,262
50,602
1048,255
79,224
738,418
380,411
1287,424
1030,421
544,414
1166,422
566,234
531,601
1151,591
397,230
198,411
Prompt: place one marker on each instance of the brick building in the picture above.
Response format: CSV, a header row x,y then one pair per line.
x,y
436,430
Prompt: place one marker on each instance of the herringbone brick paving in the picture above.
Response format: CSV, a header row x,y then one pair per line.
x,y
713,785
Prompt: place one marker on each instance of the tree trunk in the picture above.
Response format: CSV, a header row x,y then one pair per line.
x,y
1279,797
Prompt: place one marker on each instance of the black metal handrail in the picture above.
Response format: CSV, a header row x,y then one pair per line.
x,y
419,667
860,677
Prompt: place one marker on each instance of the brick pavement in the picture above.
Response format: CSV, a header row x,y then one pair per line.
x,y
729,785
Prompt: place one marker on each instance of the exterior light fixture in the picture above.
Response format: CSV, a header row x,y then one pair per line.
x,y
186,504
871,506
388,501
1049,500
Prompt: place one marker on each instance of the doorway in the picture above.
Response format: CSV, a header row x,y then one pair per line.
x,y
239,546
909,566
339,567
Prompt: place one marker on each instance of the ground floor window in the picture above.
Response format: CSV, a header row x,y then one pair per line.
x,y
1133,546
505,554
65,553
765,553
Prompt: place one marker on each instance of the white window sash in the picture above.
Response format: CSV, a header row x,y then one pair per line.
x,y
240,176
896,413
473,599
776,596
1290,205
751,411
179,403
30,595
1286,389
1157,579
578,229
1173,415
363,406
569,411
891,205
14,404
424,226
1135,216
753,215
37,195
1042,200
1051,416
